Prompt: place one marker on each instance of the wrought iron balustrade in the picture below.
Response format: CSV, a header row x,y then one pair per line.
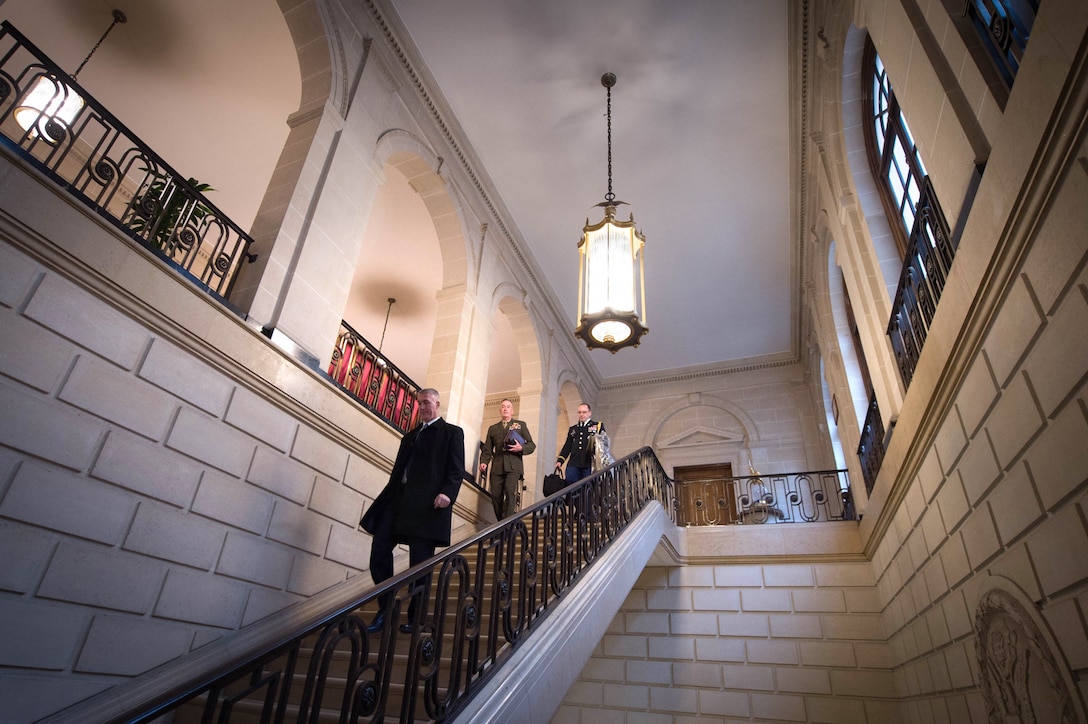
x,y
808,497
359,368
473,604
1003,28
930,253
871,447
51,122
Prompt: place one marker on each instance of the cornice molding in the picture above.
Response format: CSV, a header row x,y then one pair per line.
x,y
685,374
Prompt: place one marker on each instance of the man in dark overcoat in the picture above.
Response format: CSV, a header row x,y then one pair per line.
x,y
416,506
504,445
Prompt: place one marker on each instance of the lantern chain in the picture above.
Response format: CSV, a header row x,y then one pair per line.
x,y
118,17
608,80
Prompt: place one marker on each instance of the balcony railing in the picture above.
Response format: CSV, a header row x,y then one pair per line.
x,y
929,258
50,121
359,368
871,448
809,497
474,604
1004,28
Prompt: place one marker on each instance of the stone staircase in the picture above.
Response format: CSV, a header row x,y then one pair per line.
x,y
444,657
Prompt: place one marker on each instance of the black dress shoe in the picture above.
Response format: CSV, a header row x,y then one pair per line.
x,y
377,624
406,628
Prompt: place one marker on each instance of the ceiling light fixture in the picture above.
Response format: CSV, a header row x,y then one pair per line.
x,y
611,279
51,105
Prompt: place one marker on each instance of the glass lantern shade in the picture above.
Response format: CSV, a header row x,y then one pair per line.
x,y
49,109
611,295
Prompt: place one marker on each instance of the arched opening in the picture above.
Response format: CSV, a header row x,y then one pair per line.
x,y
399,259
514,373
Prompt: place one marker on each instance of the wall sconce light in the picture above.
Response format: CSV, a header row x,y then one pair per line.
x,y
611,278
51,105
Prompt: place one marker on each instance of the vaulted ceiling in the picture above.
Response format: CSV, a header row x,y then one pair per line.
x,y
702,134
704,137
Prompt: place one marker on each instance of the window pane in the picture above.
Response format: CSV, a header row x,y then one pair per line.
x,y
914,191
899,155
896,185
908,218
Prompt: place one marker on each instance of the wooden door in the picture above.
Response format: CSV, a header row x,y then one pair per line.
x,y
705,494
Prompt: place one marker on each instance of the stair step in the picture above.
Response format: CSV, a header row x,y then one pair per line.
x,y
249,709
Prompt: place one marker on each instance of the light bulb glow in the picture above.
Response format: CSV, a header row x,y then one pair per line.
x,y
49,102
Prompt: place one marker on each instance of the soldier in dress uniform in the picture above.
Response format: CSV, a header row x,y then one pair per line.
x,y
577,451
504,445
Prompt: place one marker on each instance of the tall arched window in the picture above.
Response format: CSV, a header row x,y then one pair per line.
x,y
914,214
892,153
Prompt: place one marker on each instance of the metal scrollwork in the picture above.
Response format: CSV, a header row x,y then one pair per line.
x,y
427,650
366,699
471,616
473,604
187,238
1001,31
105,172
55,131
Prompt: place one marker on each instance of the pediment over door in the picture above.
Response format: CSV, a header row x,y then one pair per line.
x,y
702,436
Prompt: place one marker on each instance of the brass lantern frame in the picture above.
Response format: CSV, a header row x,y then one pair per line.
x,y
612,290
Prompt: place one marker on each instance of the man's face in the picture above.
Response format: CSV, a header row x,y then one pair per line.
x,y
428,407
583,413
506,409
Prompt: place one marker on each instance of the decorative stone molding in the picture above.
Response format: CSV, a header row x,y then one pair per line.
x,y
1023,680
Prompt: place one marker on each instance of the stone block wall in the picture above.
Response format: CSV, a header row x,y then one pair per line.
x,y
157,492
779,642
999,499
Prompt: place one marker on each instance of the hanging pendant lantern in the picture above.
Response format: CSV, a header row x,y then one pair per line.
x,y
611,278
50,106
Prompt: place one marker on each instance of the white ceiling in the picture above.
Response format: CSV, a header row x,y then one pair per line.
x,y
700,138
700,145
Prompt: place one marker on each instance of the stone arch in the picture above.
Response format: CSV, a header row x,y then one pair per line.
x,y
320,71
690,431
655,428
511,301
422,167
514,341
323,69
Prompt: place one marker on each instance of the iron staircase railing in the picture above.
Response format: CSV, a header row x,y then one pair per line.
x,y
368,376
475,603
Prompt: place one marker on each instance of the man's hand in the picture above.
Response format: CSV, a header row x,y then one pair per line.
x,y
483,467
515,448
558,467
441,501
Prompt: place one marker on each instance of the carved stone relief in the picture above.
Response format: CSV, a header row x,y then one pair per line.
x,y
1022,680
